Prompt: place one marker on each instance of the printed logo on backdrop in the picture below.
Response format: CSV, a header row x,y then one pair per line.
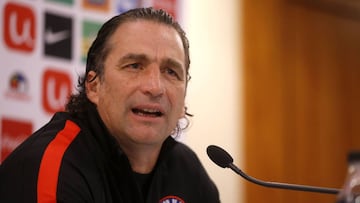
x,y
69,2
97,5
18,87
13,132
124,5
58,34
171,199
19,27
57,88
89,33
168,5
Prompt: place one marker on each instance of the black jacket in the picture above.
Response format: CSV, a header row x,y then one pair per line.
x,y
77,160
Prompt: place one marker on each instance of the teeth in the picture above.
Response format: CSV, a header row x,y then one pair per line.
x,y
148,112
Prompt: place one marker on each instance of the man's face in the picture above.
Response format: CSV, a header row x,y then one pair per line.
x,y
141,94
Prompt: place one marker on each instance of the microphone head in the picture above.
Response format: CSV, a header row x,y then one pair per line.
x,y
219,156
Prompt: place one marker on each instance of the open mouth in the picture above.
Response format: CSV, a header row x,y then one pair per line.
x,y
147,112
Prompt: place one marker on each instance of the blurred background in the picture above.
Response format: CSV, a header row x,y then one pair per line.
x,y
275,82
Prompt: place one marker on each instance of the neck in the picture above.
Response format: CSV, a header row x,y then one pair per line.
x,y
142,158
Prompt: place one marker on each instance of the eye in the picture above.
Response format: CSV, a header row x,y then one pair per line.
x,y
134,66
171,72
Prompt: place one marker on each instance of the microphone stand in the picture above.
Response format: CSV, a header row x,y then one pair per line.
x,y
283,185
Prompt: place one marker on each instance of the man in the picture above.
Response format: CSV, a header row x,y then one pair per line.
x,y
113,143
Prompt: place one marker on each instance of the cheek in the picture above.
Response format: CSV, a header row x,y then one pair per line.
x,y
114,93
108,106
106,96
179,102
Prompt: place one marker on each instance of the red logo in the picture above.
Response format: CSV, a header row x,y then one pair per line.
x,y
19,27
13,133
56,90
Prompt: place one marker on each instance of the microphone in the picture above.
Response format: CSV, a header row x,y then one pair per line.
x,y
223,159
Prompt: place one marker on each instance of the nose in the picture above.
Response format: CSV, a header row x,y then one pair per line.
x,y
152,83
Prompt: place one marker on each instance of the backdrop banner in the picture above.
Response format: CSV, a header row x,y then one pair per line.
x,y
43,52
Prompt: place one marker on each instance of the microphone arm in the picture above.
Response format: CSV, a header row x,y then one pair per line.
x,y
283,185
224,160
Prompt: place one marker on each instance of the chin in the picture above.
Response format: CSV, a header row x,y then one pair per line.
x,y
149,138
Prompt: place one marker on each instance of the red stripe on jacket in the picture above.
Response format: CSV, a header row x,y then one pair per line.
x,y
51,161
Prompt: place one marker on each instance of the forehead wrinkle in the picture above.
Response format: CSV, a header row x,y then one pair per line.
x,y
157,50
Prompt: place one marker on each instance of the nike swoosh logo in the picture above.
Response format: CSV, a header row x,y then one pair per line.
x,y
55,37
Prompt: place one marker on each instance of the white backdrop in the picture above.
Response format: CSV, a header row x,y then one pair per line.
x,y
215,92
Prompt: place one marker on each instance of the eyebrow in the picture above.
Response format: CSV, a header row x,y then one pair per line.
x,y
173,63
142,57
132,56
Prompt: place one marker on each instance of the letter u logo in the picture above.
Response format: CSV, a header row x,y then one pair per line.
x,y
57,87
19,27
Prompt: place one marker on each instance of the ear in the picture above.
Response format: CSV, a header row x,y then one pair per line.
x,y
92,84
